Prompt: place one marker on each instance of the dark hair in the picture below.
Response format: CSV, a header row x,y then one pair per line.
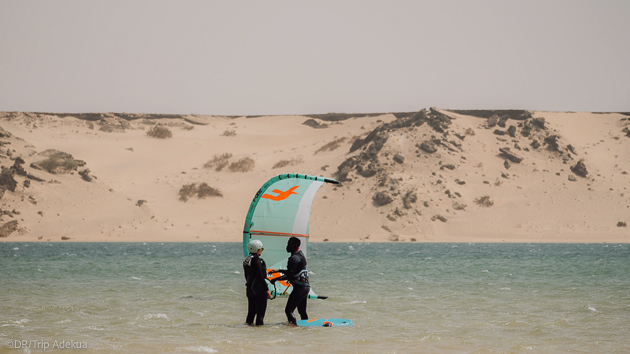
x,y
293,244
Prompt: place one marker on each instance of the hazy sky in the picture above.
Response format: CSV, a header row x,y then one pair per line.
x,y
289,57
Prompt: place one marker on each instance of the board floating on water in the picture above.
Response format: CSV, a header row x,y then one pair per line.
x,y
325,322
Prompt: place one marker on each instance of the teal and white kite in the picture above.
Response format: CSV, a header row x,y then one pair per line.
x,y
281,209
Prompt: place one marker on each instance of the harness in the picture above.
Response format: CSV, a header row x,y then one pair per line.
x,y
301,278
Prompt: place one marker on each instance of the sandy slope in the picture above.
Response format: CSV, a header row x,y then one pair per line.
x,y
534,201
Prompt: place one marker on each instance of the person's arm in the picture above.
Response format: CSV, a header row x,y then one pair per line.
x,y
287,273
292,266
260,271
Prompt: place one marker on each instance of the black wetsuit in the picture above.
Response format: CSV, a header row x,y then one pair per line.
x,y
256,275
297,275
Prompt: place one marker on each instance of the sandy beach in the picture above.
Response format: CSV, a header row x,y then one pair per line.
x,y
429,176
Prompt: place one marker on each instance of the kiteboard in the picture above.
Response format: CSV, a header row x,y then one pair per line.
x,y
325,322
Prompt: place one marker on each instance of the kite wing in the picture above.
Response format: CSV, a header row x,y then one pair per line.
x,y
282,209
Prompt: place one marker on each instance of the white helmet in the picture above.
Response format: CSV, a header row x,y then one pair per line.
x,y
254,245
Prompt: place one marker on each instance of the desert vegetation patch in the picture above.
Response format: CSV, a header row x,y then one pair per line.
x,y
159,132
200,191
285,163
219,162
56,165
245,164
484,201
331,146
57,162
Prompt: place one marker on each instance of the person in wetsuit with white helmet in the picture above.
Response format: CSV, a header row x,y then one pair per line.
x,y
297,275
257,290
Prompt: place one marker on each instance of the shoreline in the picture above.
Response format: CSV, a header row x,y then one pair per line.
x,y
345,241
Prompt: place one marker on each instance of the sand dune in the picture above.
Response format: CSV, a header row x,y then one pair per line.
x,y
468,190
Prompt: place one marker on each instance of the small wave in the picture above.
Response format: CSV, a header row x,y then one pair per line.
x,y
136,278
358,302
430,338
16,248
560,322
516,323
19,323
157,315
507,289
591,308
197,349
190,297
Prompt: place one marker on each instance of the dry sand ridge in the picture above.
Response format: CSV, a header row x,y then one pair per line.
x,y
427,176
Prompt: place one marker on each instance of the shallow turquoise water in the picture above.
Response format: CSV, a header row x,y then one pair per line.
x,y
189,297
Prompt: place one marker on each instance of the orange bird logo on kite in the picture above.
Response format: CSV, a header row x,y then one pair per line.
x,y
282,195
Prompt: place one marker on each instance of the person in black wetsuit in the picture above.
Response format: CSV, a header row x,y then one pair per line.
x,y
257,290
297,275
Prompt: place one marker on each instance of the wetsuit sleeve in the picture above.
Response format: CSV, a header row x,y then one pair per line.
x,y
291,271
259,274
